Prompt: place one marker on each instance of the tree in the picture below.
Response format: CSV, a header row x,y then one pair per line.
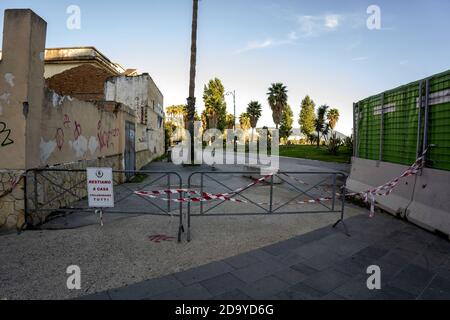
x,y
307,116
319,123
229,121
215,105
193,64
333,118
286,123
244,121
277,98
254,110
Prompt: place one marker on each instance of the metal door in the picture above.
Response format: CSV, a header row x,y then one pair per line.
x,y
130,148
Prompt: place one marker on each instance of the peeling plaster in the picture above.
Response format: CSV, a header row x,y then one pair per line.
x,y
47,149
93,145
80,146
5,97
9,77
57,100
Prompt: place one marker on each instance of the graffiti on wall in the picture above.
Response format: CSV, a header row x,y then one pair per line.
x,y
5,134
59,138
105,137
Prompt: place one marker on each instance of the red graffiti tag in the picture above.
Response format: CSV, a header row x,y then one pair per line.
x,y
105,136
77,131
158,238
66,121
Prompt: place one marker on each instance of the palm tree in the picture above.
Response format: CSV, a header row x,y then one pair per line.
x,y
277,98
319,122
254,110
333,118
244,121
191,99
229,121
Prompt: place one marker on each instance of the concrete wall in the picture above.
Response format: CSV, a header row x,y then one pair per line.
x,y
21,96
143,96
423,199
74,130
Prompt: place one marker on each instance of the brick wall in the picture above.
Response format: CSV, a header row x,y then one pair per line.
x,y
85,82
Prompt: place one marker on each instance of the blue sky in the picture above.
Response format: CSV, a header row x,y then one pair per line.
x,y
322,48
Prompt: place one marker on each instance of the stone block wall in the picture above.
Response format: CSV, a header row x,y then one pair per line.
x,y
12,204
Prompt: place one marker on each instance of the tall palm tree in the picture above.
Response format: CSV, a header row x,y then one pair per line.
x,y
319,123
229,121
254,110
333,117
191,99
277,98
244,121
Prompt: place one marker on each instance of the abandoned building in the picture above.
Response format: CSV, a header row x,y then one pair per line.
x,y
68,108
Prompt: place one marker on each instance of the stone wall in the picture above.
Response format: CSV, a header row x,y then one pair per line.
x,y
12,211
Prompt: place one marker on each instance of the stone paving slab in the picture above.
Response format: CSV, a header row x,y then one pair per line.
x,y
323,264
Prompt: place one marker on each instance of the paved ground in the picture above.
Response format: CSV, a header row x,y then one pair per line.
x,y
322,264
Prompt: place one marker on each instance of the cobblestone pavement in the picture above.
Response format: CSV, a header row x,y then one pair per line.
x,y
322,264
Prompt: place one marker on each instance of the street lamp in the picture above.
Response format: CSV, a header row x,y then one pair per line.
x,y
233,93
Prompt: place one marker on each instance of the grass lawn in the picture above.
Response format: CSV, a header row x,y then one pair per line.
x,y
314,153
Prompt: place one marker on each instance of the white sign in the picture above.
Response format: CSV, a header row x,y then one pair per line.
x,y
100,187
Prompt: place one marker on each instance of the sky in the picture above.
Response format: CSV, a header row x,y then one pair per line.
x,y
321,48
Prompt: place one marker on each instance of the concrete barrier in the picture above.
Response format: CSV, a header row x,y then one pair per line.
x,y
423,199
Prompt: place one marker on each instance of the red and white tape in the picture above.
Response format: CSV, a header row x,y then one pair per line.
x,y
202,196
368,195
387,188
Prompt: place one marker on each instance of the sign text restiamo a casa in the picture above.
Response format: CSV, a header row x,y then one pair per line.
x,y
100,187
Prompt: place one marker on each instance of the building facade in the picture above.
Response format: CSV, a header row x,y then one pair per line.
x,y
80,115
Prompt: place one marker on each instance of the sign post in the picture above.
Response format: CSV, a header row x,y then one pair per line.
x,y
100,189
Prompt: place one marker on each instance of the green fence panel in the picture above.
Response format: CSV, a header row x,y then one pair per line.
x,y
400,124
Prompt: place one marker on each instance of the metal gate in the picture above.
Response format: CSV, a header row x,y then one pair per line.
x,y
61,192
130,146
52,192
283,193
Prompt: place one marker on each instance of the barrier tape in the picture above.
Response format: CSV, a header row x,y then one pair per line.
x,y
368,195
386,189
202,196
205,196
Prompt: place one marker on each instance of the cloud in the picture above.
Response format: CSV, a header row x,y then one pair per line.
x,y
313,26
360,59
267,43
332,21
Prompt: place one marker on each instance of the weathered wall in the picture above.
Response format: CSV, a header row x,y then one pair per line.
x,y
143,96
74,130
21,96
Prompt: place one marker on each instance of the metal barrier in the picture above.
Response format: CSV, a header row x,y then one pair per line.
x,y
313,187
64,191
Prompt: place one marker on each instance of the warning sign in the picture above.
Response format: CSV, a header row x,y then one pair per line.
x,y
100,187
